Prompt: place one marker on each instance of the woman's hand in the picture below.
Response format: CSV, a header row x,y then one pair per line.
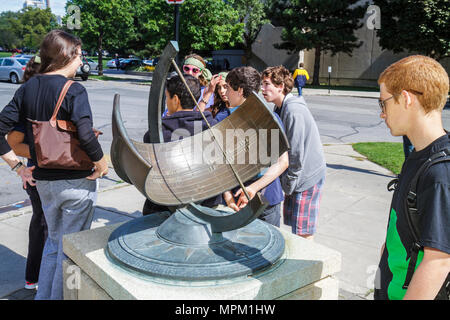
x,y
26,174
213,83
100,169
209,91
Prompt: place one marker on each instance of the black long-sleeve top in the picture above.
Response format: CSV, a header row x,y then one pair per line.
x,y
36,100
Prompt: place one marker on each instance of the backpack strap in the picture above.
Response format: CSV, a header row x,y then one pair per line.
x,y
412,213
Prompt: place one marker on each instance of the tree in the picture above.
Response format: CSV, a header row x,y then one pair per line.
x,y
9,24
25,28
323,25
204,25
417,26
35,23
208,25
252,13
104,23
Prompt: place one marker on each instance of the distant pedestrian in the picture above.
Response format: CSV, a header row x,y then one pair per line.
x,y
300,77
117,61
415,259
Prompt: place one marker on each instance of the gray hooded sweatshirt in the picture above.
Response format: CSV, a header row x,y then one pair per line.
x,y
306,158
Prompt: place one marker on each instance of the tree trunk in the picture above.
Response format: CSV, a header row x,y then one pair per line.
x,y
316,67
100,54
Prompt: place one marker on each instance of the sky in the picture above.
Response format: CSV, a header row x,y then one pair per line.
x,y
57,6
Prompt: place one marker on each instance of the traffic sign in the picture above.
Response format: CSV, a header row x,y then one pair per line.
x,y
174,1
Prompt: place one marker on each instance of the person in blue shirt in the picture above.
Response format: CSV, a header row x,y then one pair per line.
x,y
241,82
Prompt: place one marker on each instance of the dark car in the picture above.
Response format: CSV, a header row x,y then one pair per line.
x,y
447,105
130,63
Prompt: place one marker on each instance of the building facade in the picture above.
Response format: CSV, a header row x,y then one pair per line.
x,y
360,69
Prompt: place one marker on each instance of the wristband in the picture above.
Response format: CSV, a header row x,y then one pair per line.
x,y
203,100
17,166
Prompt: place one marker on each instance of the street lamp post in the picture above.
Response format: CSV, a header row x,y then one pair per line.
x,y
176,18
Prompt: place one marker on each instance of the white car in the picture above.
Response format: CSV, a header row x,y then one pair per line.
x,y
92,64
112,63
12,69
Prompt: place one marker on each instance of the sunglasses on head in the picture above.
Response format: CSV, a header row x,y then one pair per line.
x,y
193,69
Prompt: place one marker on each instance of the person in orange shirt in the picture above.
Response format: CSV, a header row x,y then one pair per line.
x,y
300,77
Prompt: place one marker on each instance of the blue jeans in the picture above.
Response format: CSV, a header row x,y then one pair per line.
x,y
299,90
68,207
272,215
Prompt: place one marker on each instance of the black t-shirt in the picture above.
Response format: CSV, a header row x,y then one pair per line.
x,y
36,100
433,203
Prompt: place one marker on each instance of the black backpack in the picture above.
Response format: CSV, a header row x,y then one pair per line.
x,y
413,218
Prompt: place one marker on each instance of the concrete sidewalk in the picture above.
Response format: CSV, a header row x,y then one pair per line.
x,y
353,220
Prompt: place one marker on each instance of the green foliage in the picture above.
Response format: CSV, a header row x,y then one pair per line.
x,y
104,23
252,14
140,27
208,25
109,21
25,28
417,26
387,154
327,24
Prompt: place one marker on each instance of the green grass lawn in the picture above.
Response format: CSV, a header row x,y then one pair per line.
x,y
5,54
387,154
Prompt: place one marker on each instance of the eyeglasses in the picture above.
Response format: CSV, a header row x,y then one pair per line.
x,y
382,105
193,69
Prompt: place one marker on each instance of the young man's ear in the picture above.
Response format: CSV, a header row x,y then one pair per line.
x,y
176,100
408,98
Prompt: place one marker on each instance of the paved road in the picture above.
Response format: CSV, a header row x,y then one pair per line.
x,y
341,119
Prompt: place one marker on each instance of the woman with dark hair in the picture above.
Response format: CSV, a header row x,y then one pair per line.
x,y
220,108
37,231
68,196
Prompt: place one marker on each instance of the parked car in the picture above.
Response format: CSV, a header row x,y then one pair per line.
x,y
112,63
84,70
130,63
12,69
148,62
25,56
92,64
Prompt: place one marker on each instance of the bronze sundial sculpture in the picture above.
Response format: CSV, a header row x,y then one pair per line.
x,y
193,243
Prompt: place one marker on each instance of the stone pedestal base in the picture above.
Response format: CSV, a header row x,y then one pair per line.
x,y
305,271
